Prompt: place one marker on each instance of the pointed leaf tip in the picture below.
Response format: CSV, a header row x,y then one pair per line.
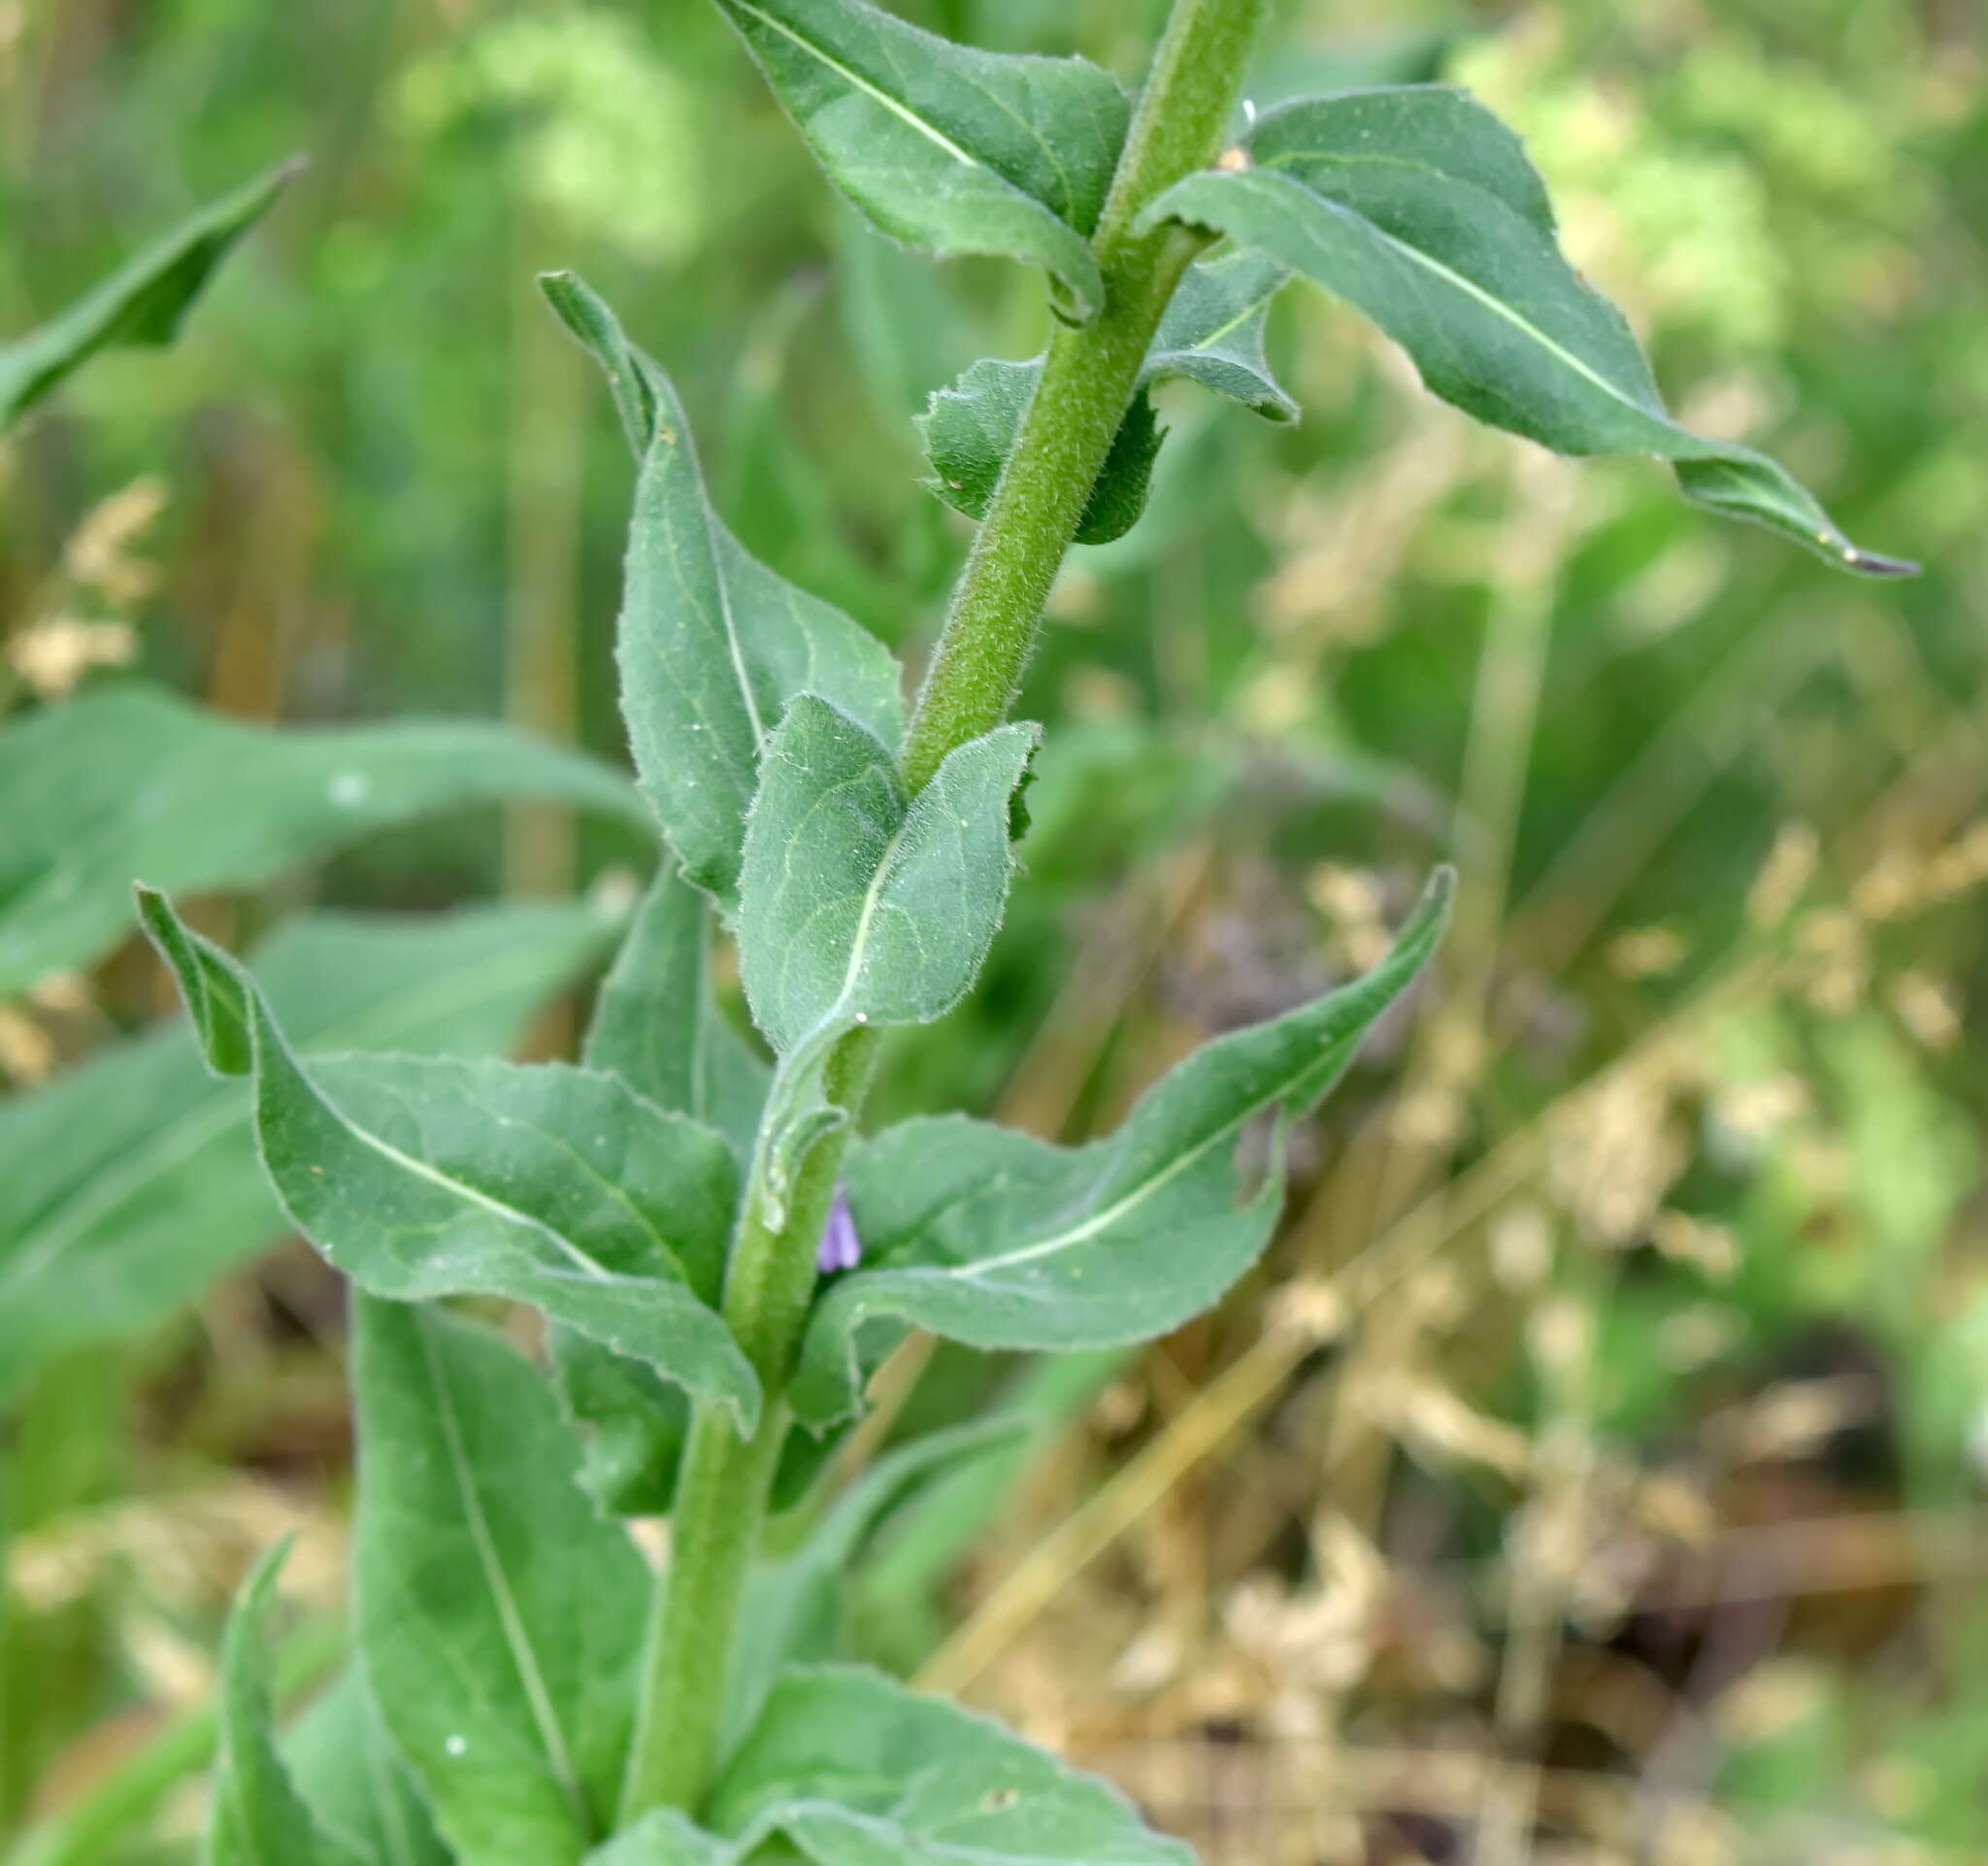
x,y
1416,205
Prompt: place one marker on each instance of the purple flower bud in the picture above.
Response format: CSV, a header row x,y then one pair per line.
x,y
840,1247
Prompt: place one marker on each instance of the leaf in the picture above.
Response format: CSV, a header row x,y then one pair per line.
x,y
793,1607
859,904
356,1782
423,1177
257,1817
854,1769
656,1025
132,1180
663,1837
142,303
498,1615
1212,334
131,781
711,644
988,1236
1418,207
943,146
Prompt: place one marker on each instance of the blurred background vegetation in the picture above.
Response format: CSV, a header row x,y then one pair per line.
x,y
1597,1469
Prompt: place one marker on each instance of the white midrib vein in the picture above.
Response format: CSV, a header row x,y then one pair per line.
x,y
515,1637
420,1169
1495,306
1098,1221
857,82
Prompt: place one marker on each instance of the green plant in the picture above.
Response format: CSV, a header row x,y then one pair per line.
x,y
720,1260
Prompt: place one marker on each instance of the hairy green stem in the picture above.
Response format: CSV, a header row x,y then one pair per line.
x,y
726,1479
721,1497
1087,383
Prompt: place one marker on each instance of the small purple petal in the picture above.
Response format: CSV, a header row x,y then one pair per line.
x,y
840,1247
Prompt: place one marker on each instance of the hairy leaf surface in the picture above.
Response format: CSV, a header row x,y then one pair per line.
x,y
423,1177
711,644
943,145
131,781
854,1769
1418,207
257,1818
1212,334
859,904
988,1236
142,303
497,1613
132,1180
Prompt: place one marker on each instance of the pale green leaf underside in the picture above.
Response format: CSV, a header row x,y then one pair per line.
x,y
256,1816
425,1176
859,904
355,1782
142,303
132,1180
854,1769
131,781
943,145
497,1613
1212,334
1418,207
988,1236
711,645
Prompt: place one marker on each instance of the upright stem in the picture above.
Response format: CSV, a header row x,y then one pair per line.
x,y
1087,383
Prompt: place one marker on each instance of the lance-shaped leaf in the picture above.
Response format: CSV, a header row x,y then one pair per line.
x,y
852,1769
497,1614
420,1177
943,146
132,782
1212,334
1418,207
989,1237
257,1818
861,904
132,1180
711,644
142,303
357,1783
